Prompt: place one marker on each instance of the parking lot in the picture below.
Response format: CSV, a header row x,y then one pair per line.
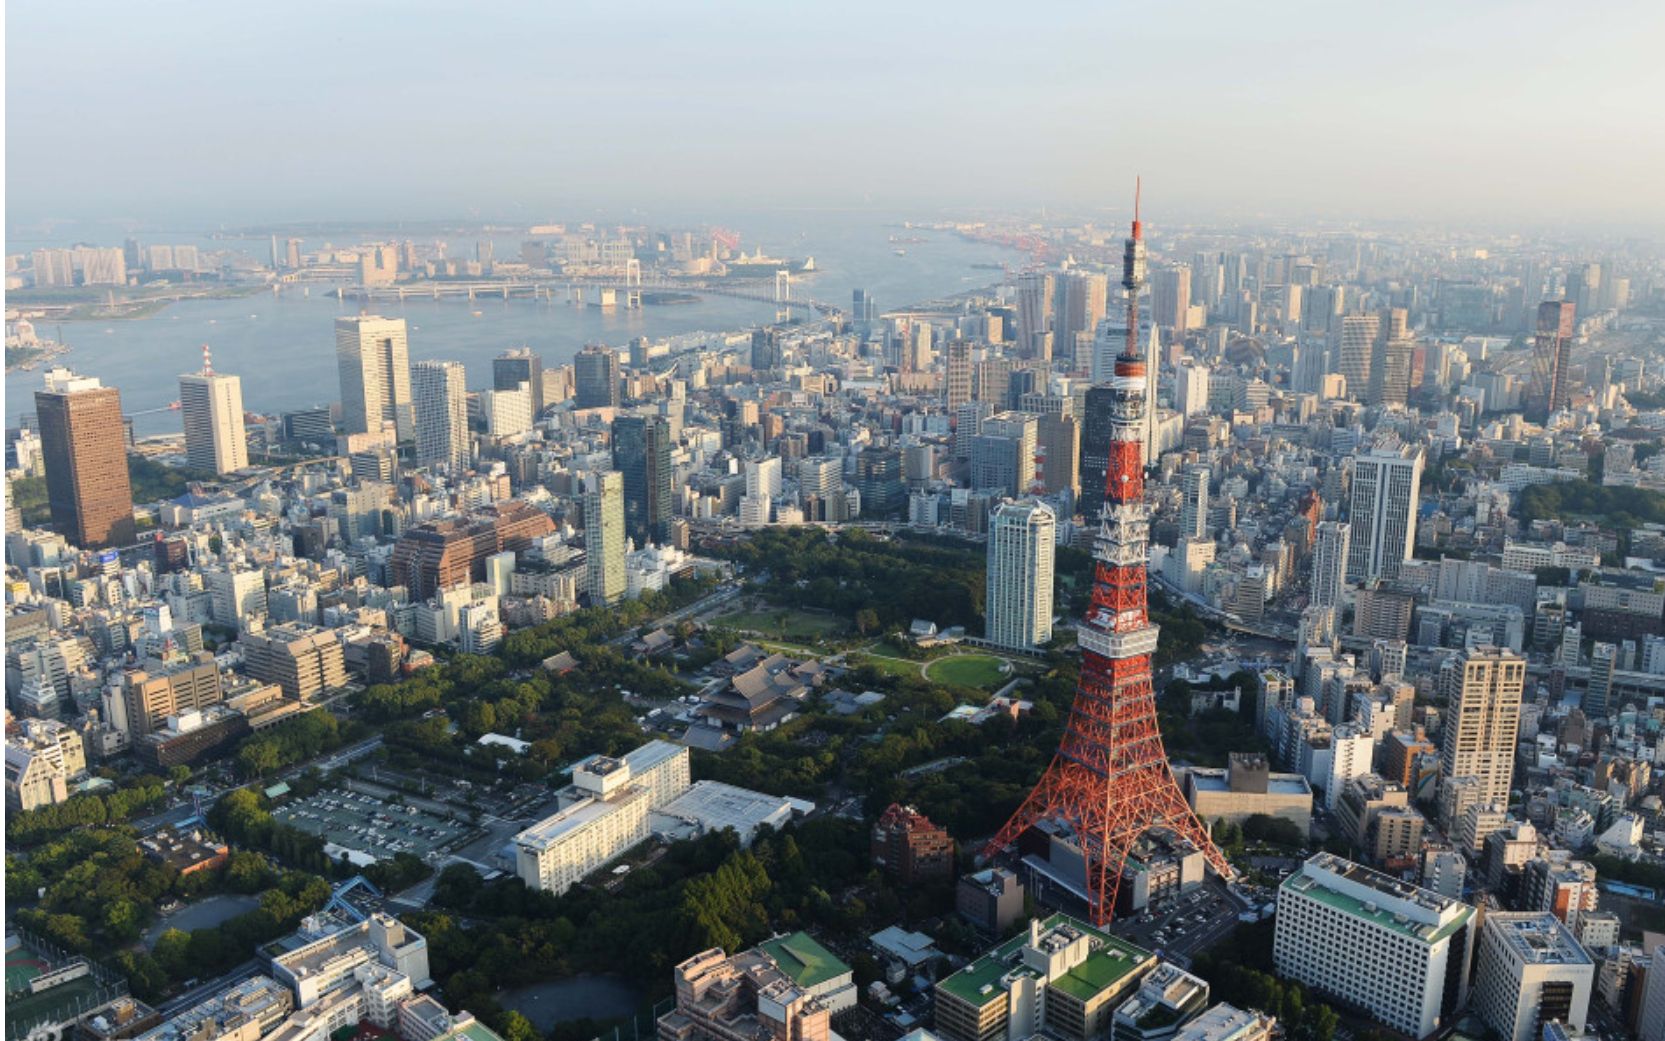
x,y
374,826
1184,926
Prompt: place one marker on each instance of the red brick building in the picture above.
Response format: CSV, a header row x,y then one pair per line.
x,y
908,847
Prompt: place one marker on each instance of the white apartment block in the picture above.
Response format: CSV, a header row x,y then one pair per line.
x,y
1398,952
1530,971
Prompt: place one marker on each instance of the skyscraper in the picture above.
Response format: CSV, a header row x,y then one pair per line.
x,y
1193,508
1390,370
1058,438
596,375
372,354
1386,488
1482,688
1081,300
1552,358
642,455
1096,428
766,351
1034,312
1003,453
1018,610
957,384
441,414
1598,695
516,366
85,450
604,537
1329,563
1170,298
211,405
1353,349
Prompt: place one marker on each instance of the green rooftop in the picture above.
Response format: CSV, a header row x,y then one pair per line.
x,y
475,1031
1112,959
800,957
1422,932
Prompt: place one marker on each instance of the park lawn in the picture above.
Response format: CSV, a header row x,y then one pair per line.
x,y
967,670
899,667
784,623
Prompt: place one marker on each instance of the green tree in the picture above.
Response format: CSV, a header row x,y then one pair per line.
x,y
514,1026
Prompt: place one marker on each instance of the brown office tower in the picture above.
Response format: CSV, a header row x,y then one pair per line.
x,y
442,554
86,460
1552,358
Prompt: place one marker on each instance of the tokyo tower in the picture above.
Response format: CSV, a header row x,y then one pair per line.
x,y
1110,783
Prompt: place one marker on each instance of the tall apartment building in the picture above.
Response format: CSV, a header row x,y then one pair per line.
x,y
372,356
596,377
604,537
1391,949
1390,370
211,405
1021,544
516,366
84,445
1482,688
1353,349
1035,305
1193,502
1330,544
1061,977
303,660
439,394
642,454
1386,489
1530,971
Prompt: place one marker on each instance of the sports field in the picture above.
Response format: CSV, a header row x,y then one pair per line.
x,y
22,965
967,670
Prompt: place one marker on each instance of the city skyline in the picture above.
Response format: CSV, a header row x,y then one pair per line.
x,y
1431,116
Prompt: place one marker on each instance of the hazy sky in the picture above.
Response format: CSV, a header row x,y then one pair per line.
x,y
1463,109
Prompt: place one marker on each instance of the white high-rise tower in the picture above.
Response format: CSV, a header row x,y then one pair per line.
x,y
1018,609
211,406
1193,510
441,400
1330,543
1386,489
372,355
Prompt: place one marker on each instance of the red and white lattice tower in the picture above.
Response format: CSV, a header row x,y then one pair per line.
x,y
1110,783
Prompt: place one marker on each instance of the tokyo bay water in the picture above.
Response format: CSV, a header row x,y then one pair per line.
x,y
283,344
